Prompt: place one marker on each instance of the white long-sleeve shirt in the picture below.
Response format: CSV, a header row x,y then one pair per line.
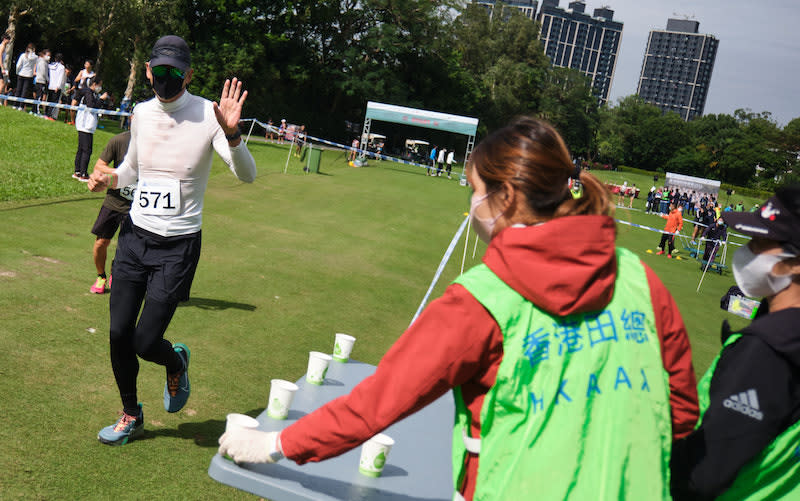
x,y
58,76
26,63
170,154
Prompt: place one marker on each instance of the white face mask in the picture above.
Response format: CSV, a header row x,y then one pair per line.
x,y
753,272
483,227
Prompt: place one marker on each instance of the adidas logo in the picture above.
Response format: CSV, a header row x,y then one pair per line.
x,y
746,403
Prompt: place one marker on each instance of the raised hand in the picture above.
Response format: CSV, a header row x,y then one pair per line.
x,y
229,109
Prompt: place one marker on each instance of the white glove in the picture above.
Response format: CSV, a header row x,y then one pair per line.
x,y
251,446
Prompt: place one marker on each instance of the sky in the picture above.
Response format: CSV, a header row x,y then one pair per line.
x,y
758,60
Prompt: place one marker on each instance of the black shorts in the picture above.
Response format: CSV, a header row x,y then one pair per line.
x,y
165,264
107,222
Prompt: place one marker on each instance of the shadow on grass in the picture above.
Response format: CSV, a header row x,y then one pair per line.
x,y
216,304
45,203
205,433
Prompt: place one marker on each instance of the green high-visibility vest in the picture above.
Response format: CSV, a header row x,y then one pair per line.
x,y
773,474
580,407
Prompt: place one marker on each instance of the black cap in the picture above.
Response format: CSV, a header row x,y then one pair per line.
x,y
778,219
171,50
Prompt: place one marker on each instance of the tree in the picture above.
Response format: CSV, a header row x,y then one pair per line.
x,y
567,102
506,61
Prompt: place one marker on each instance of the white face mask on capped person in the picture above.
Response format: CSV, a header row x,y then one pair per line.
x,y
753,272
483,227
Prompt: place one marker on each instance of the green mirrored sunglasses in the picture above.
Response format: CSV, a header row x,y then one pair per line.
x,y
161,71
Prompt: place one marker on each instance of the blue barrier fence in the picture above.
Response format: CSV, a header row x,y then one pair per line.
x,y
47,104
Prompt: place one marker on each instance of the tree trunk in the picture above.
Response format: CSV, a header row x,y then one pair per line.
x,y
133,72
13,15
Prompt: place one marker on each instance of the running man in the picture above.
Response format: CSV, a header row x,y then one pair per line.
x,y
170,153
114,210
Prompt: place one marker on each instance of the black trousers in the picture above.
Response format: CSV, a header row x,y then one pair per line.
x,y
84,153
157,271
24,88
130,339
668,239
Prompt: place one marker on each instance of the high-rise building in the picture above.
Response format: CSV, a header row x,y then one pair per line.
x,y
527,7
677,67
588,43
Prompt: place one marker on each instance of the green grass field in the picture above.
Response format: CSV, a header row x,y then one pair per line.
x,y
287,261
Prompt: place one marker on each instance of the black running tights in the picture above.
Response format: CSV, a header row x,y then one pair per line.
x,y
144,338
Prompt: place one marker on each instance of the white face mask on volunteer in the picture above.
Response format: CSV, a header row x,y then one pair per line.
x,y
483,226
753,272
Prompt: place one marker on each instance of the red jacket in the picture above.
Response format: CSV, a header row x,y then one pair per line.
x,y
565,266
674,221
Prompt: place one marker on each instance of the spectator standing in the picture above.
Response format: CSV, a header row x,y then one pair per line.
x,y
114,210
41,77
269,136
674,225
631,196
623,190
716,234
26,66
703,219
353,148
432,158
4,64
86,124
300,141
440,161
746,444
451,158
512,339
739,207
57,77
282,131
78,84
651,195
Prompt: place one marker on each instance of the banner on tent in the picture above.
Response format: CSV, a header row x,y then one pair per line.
x,y
698,184
422,118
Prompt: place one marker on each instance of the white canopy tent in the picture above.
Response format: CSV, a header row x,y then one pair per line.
x,y
421,118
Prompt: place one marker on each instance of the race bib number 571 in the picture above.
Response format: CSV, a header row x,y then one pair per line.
x,y
159,197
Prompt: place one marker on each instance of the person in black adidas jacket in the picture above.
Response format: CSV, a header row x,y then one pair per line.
x,y
753,399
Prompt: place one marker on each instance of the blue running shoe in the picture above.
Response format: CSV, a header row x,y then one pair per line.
x,y
126,428
177,388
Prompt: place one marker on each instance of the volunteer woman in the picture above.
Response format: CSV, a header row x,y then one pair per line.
x,y
583,329
747,444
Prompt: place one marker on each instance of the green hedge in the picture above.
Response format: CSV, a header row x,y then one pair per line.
x,y
748,192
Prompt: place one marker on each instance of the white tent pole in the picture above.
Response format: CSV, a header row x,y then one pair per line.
x,y
442,264
708,263
291,149
466,243
252,124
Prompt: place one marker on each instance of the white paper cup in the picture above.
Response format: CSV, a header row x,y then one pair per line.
x,y
373,455
238,421
281,393
317,367
235,421
342,347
